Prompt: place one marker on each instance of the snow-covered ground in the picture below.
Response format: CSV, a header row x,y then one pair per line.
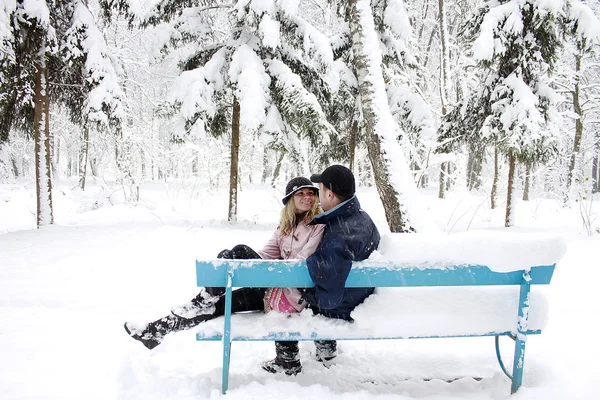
x,y
65,291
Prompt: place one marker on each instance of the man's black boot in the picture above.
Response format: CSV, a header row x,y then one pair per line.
x,y
287,359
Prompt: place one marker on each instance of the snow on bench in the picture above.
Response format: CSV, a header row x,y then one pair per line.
x,y
469,284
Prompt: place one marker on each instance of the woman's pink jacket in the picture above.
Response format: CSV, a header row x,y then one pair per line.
x,y
299,244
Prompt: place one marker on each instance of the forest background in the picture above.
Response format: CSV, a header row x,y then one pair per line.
x,y
499,97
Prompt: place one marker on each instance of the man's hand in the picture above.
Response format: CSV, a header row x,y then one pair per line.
x,y
310,296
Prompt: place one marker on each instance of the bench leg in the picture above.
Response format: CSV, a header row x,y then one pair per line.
x,y
521,339
227,336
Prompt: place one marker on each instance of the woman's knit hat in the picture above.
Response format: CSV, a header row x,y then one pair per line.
x,y
296,184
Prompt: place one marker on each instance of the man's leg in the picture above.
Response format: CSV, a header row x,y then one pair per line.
x,y
287,359
151,335
204,302
326,351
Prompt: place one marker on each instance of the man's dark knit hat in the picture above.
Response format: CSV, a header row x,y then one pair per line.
x,y
338,179
296,184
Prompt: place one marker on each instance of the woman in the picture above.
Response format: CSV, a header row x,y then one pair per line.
x,y
293,239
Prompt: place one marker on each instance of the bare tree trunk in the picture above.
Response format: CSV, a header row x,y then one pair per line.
x,y
143,163
444,89
449,172
235,151
474,168
442,183
509,220
353,136
494,194
361,29
83,155
41,127
527,188
56,158
53,151
278,167
578,130
94,166
596,171
423,21
265,173
15,169
194,163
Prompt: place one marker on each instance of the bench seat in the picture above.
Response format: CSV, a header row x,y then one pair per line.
x,y
409,313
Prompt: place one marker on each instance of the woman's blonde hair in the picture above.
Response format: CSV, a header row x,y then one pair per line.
x,y
289,216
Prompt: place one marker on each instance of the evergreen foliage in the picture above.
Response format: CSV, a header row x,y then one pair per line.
x,y
80,71
275,63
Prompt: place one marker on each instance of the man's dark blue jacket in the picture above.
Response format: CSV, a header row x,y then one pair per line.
x,y
350,235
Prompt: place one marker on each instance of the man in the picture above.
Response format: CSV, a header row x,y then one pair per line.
x,y
350,235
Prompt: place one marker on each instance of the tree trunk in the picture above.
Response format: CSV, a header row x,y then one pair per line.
x,y
370,82
265,172
41,127
194,163
278,167
56,158
449,172
352,144
445,83
94,166
596,172
83,155
474,168
527,188
143,163
509,220
235,151
494,194
15,169
442,185
578,130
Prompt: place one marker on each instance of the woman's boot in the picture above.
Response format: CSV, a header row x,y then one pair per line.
x,y
202,304
152,334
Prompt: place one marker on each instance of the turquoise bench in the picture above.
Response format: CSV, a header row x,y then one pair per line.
x,y
265,274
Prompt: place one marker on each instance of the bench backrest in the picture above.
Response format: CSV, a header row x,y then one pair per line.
x,y
277,273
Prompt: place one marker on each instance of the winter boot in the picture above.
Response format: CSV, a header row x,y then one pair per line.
x,y
147,335
202,304
287,359
326,351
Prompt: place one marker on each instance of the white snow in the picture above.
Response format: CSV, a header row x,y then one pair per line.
x,y
248,72
67,289
500,251
446,311
269,28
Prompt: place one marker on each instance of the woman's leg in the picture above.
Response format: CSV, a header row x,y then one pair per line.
x,y
204,301
245,299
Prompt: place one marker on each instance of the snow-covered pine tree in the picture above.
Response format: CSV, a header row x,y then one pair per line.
x,y
252,66
402,74
516,43
86,77
584,27
43,41
27,41
394,180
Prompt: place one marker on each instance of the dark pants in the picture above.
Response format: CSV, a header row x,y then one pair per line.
x,y
244,299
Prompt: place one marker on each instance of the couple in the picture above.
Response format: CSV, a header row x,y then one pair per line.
x,y
329,238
